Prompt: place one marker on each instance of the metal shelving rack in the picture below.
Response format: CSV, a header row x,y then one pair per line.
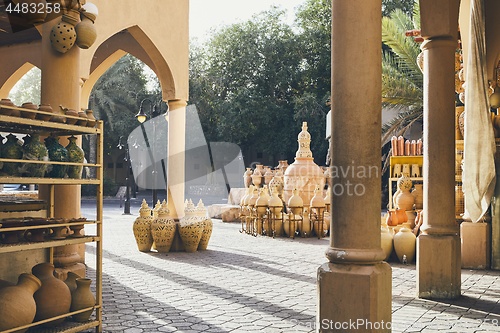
x,y
21,125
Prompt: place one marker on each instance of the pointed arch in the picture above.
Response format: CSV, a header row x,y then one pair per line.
x,y
14,78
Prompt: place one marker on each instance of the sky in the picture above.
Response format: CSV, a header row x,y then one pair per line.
x,y
207,14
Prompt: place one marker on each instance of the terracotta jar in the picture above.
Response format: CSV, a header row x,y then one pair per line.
x,y
86,33
190,228
142,228
71,280
163,229
91,121
17,305
76,155
63,37
6,102
71,113
82,298
247,177
53,298
268,175
45,108
404,200
303,174
418,194
386,239
83,118
28,114
404,244
207,226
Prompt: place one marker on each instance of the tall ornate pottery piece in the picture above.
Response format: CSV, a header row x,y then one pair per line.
x,y
53,298
13,150
17,305
76,155
142,228
57,153
207,225
190,228
303,174
35,150
163,229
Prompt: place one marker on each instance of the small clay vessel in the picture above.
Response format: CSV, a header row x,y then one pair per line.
x,y
6,102
44,108
28,114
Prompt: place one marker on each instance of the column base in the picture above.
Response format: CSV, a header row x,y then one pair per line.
x,y
476,245
438,266
354,298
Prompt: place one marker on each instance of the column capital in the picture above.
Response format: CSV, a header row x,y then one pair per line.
x,y
175,104
439,42
355,256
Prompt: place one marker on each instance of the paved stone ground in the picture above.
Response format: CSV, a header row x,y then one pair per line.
x,y
257,284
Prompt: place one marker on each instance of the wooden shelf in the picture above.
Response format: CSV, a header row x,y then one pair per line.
x,y
45,181
26,246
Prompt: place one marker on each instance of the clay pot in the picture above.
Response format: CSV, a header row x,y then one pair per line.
x,y
91,121
418,194
296,203
142,228
17,305
6,102
268,175
28,114
82,298
53,298
44,108
303,174
76,155
276,186
190,227
86,33
13,150
386,241
163,229
404,200
71,113
404,244
58,153
207,226
5,283
35,150
63,37
71,281
83,118
247,177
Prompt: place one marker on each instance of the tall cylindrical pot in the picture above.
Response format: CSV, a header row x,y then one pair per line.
x,y
142,228
163,229
17,305
82,298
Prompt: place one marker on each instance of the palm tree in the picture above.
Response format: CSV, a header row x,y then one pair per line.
x,y
401,76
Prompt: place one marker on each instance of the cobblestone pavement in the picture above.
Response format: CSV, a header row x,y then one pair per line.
x,y
257,284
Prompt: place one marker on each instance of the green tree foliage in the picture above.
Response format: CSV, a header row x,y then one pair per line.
x,y
27,89
402,80
255,82
116,98
388,6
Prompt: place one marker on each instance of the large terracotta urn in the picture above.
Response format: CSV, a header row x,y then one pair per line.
x,y
190,227
404,244
142,228
163,229
303,174
82,298
53,298
17,305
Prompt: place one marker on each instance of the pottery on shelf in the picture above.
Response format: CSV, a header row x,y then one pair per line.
x,y
76,155
142,228
82,298
45,108
6,102
13,150
83,118
57,153
163,229
71,281
34,150
17,305
404,200
53,298
91,121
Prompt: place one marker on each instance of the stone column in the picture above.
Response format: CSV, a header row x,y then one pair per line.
x,y
438,247
61,86
355,286
176,156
